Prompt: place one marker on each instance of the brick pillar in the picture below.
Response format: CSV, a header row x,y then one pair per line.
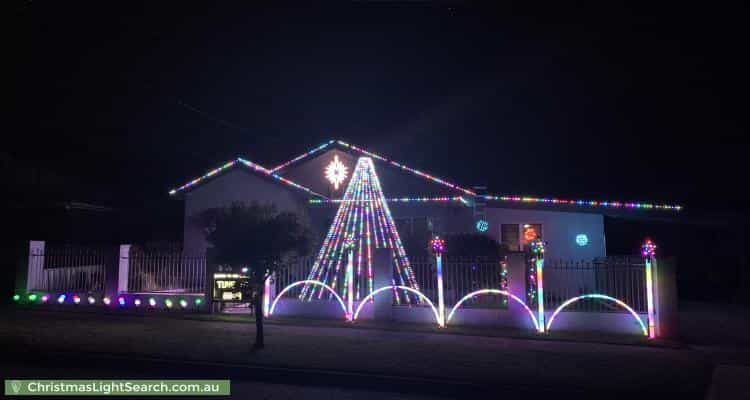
x,y
665,297
517,286
33,278
123,269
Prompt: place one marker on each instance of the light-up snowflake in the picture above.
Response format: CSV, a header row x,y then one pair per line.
x,y
336,172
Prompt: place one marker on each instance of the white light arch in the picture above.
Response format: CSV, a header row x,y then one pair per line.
x,y
494,291
310,282
417,292
597,296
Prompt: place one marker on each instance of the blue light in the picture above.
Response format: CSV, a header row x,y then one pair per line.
x,y
482,225
582,239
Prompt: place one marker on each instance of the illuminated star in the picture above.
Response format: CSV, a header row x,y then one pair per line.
x,y
336,172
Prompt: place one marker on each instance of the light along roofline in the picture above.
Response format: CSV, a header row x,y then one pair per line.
x,y
524,199
249,164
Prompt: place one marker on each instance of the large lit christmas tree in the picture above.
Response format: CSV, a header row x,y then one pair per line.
x,y
363,216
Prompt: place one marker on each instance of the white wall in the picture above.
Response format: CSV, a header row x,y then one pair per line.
x,y
559,230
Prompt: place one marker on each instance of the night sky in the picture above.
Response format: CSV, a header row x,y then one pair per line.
x,y
598,102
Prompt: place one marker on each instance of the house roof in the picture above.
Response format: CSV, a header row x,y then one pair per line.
x,y
462,191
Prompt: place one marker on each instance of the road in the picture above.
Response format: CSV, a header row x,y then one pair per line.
x,y
324,361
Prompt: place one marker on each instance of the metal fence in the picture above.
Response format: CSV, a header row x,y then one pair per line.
x,y
461,276
166,272
620,277
77,269
294,272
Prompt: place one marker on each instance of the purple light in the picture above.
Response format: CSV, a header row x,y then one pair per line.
x,y
121,301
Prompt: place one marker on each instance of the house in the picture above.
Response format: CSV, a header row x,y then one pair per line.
x,y
313,185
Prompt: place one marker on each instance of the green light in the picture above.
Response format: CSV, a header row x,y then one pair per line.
x,y
16,297
198,302
32,297
168,303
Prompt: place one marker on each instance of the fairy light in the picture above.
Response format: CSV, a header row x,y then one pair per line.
x,y
362,213
121,301
32,297
106,301
307,283
61,298
601,297
183,303
256,167
648,252
91,300
303,156
137,302
152,302
45,298
266,296
441,199
394,287
584,203
404,167
198,301
168,303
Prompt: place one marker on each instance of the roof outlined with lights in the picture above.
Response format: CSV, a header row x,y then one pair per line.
x,y
463,195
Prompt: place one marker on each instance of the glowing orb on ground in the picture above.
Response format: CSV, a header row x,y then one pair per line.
x,y
336,172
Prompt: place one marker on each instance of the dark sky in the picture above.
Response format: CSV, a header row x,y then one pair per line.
x,y
602,102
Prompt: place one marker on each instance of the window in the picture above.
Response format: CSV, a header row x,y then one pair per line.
x,y
515,237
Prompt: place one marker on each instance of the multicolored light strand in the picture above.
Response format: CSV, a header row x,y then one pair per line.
x,y
442,199
249,164
585,203
364,214
302,156
648,251
405,168
500,292
537,248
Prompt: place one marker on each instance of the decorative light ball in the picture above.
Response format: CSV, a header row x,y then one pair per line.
x,y
121,301
137,302
582,239
482,225
61,298
152,302
45,298
92,300
537,246
438,245
16,297
77,299
648,249
183,303
106,300
32,297
198,301
168,303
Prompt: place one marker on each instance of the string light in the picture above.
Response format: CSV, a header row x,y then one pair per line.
x,y
648,251
152,302
362,213
137,302
404,167
442,199
121,301
303,156
168,303
584,203
61,298
106,301
256,167
494,291
16,297
198,301
32,297
45,298
91,300
183,303
438,245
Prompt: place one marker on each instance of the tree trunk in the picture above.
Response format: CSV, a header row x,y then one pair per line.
x,y
259,313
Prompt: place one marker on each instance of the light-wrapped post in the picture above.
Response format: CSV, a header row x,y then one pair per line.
x,y
537,248
648,252
438,246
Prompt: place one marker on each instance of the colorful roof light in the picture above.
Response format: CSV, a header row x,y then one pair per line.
x,y
303,156
584,203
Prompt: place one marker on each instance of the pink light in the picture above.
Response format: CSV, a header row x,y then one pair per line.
x,y
392,287
307,282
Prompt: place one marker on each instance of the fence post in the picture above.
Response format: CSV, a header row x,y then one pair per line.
x,y
35,267
665,299
517,286
438,246
537,248
648,251
123,268
382,260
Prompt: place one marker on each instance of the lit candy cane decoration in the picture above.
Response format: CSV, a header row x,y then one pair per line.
x,y
438,246
537,248
648,252
349,244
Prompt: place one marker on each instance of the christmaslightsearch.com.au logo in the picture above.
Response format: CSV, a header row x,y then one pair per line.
x,y
98,387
